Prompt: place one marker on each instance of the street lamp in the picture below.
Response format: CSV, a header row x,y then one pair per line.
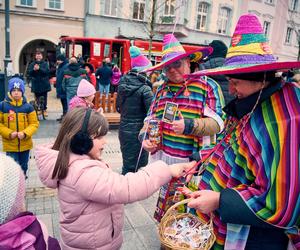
x,y
7,59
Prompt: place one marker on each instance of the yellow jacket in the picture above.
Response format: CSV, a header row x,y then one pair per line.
x,y
17,116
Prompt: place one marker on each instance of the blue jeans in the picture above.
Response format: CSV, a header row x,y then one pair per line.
x,y
104,88
21,158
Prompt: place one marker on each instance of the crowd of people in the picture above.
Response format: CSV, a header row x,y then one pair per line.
x,y
235,158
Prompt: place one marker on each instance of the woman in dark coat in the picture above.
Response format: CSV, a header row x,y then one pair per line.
x,y
133,101
39,73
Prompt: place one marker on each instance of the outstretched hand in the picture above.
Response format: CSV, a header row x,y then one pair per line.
x,y
205,201
180,169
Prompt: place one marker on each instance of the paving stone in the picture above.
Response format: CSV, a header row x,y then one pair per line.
x,y
137,216
149,236
132,241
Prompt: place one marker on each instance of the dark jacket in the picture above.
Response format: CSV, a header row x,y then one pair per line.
x,y
39,78
133,101
59,79
220,79
104,74
72,76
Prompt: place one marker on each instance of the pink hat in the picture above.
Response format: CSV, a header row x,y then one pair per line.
x,y
249,51
85,89
138,61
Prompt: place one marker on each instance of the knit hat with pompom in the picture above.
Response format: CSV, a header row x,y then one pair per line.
x,y
12,189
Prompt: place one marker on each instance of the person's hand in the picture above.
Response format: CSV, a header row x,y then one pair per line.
x,y
191,172
100,111
149,146
205,201
13,135
178,126
36,67
179,169
21,135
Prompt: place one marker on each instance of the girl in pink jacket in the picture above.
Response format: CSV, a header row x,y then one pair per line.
x,y
90,194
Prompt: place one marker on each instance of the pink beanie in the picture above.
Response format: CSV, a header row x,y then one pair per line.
x,y
12,189
85,89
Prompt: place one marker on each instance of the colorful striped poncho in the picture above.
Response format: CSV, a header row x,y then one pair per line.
x,y
262,164
200,98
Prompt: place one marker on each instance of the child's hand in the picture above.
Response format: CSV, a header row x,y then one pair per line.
x,y
21,135
180,169
13,135
100,111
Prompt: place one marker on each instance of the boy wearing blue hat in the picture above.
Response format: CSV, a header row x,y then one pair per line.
x,y
18,122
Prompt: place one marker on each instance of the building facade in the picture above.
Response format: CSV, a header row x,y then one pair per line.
x,y
281,23
193,21
38,24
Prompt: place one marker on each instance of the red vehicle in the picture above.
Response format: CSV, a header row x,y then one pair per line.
x,y
95,50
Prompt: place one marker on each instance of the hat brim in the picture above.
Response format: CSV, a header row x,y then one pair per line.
x,y
249,68
205,51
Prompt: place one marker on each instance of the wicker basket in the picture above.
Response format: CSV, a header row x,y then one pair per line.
x,y
170,217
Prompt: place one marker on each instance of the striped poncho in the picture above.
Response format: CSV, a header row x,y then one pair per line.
x,y
199,99
261,163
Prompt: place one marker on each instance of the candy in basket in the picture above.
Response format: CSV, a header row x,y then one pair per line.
x,y
185,231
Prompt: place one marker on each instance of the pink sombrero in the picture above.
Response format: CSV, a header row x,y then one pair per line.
x,y
173,51
249,51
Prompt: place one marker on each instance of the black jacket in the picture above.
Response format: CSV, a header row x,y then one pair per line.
x,y
133,101
39,78
134,97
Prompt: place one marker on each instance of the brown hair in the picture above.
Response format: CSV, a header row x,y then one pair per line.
x,y
71,125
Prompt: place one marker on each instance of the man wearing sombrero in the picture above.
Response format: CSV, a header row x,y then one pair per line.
x,y
251,181
189,113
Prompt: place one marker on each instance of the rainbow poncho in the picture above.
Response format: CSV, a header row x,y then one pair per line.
x,y
263,164
202,94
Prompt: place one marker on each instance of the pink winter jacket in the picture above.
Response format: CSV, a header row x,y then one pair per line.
x,y
91,197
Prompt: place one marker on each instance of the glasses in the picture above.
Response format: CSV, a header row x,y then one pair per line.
x,y
175,65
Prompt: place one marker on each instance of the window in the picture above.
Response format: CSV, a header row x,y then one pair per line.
x,y
110,8
267,28
55,4
294,5
223,20
169,7
288,36
26,2
138,10
269,1
202,16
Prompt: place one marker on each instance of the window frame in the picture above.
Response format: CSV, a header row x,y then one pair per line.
x,y
294,5
220,20
271,2
110,8
139,2
288,36
267,28
51,8
168,4
201,14
19,4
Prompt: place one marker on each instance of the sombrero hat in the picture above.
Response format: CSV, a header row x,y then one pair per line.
x,y
174,51
249,51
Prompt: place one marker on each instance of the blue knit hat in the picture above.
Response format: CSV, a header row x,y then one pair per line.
x,y
16,83
138,61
